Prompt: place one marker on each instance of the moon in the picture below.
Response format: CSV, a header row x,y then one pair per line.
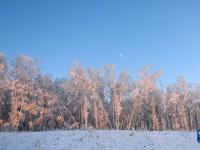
x,y
121,55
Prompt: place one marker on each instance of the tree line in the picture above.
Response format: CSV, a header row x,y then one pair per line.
x,y
93,99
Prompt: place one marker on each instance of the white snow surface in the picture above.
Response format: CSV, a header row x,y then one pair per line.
x,y
99,140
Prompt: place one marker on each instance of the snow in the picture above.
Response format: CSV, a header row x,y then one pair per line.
x,y
99,140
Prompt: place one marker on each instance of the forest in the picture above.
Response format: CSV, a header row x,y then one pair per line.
x,y
90,98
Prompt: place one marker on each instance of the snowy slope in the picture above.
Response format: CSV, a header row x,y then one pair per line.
x,y
99,140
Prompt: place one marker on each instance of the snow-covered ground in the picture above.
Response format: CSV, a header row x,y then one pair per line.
x,y
99,140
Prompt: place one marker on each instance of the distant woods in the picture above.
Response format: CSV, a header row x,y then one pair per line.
x,y
93,99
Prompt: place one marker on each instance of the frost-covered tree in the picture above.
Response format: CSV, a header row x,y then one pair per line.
x,y
93,98
23,105
4,90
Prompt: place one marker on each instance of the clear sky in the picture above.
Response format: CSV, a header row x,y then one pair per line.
x,y
165,34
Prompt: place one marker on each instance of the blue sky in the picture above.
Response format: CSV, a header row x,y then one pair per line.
x,y
165,34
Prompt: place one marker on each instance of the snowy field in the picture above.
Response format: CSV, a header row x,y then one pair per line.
x,y
99,140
